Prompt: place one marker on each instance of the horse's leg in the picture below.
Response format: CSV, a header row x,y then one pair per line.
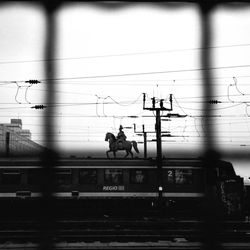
x,y
130,150
114,154
107,153
131,154
126,154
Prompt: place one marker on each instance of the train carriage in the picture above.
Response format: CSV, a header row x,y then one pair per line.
x,y
183,180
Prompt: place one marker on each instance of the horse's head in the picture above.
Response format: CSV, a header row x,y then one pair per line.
x,y
109,136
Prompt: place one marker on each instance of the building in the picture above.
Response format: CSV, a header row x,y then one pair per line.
x,y
16,141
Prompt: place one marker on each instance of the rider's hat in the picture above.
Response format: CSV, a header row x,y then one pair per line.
x,y
121,127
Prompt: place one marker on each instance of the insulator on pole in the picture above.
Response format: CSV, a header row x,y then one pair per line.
x,y
214,101
161,104
33,81
38,107
153,102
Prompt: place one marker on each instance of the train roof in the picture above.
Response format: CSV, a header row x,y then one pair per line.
x,y
89,162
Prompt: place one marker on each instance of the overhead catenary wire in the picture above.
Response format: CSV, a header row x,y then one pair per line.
x,y
235,142
138,101
126,54
145,73
137,73
132,81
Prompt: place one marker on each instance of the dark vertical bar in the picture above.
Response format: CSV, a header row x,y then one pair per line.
x,y
50,73
145,141
48,212
207,86
211,230
7,143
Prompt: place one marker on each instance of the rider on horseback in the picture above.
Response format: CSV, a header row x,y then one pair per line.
x,y
120,143
121,137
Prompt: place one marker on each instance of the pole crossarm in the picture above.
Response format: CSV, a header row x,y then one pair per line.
x,y
148,132
161,104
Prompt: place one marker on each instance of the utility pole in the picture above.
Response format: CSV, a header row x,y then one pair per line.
x,y
158,137
144,133
144,137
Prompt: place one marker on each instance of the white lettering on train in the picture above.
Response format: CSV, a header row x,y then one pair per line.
x,y
113,188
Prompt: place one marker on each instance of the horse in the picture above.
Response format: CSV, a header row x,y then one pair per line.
x,y
126,145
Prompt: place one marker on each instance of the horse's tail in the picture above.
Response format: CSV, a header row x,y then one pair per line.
x,y
135,147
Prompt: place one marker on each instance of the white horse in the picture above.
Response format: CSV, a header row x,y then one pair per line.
x,y
126,145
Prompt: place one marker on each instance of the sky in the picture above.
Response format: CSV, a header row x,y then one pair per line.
x,y
106,59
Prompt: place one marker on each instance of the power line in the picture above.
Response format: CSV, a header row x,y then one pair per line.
x,y
113,116
218,108
210,97
71,104
146,73
138,73
113,83
130,102
109,82
125,54
220,134
168,141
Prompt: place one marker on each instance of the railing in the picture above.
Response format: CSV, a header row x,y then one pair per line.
x,y
206,8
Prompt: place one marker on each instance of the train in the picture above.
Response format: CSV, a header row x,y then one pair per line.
x,y
181,181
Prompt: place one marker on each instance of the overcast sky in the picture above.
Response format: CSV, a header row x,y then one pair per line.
x,y
107,58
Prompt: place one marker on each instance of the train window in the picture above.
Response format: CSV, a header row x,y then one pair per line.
x,y
88,176
11,177
183,176
62,176
113,176
138,176
170,176
34,176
